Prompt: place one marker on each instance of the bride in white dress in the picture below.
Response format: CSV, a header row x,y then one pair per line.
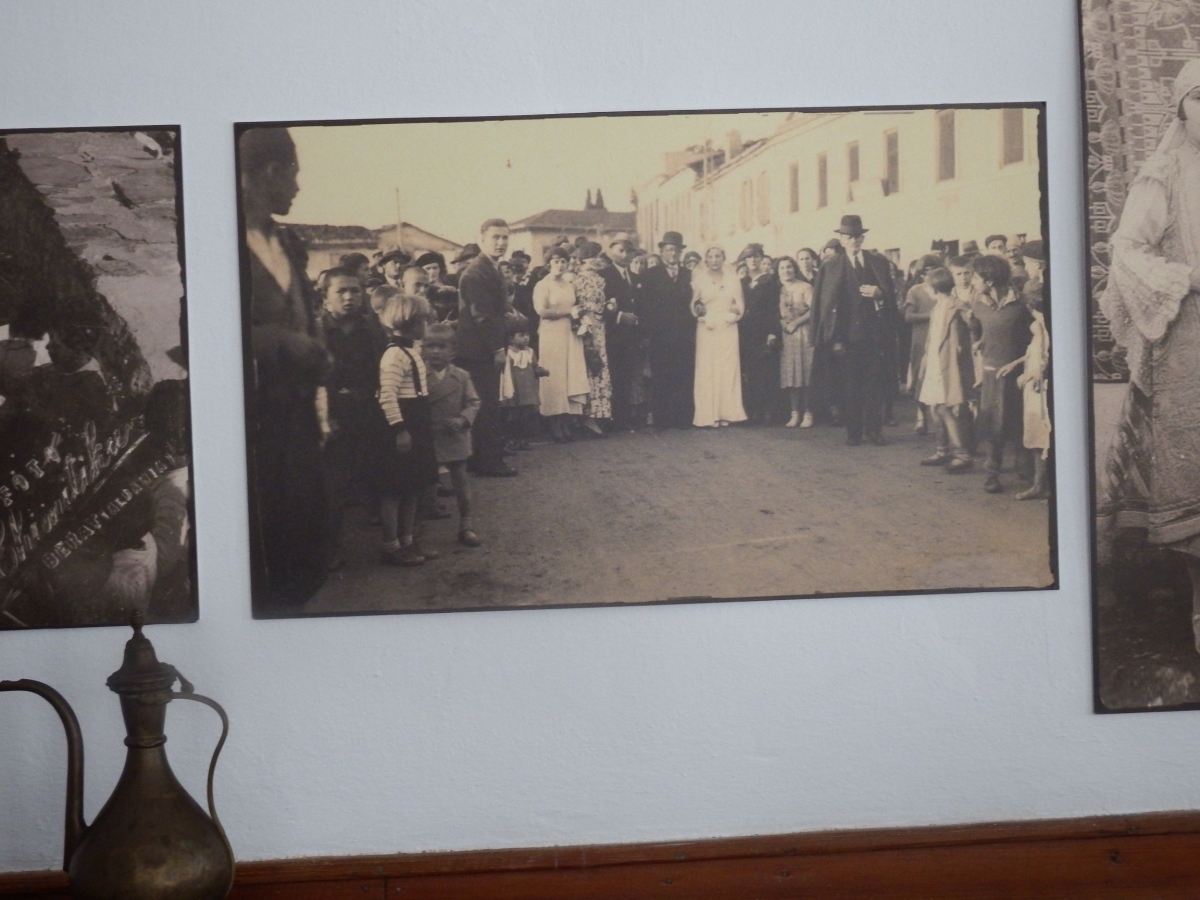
x,y
717,304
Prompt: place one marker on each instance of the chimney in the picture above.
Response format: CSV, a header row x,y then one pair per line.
x,y
734,141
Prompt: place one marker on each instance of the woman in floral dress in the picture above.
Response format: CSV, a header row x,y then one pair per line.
x,y
589,295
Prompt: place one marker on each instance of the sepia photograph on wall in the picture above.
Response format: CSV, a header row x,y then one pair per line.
x,y
1141,82
96,515
638,358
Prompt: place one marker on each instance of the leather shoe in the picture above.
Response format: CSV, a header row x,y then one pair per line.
x,y
992,485
501,471
938,459
959,466
402,556
468,538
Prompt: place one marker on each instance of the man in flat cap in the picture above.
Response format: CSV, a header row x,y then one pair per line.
x,y
666,297
856,292
482,306
626,360
759,336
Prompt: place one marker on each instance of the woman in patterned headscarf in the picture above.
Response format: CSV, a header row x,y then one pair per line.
x,y
1150,484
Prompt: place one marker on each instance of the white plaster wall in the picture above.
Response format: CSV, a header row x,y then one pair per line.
x,y
472,730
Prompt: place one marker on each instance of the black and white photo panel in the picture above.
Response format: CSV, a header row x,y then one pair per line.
x,y
96,521
583,360
1141,65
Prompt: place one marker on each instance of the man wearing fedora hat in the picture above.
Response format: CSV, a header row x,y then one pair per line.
x,y
666,297
857,297
392,265
759,335
626,358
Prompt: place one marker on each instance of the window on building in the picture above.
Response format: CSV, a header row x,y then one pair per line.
x,y
822,181
945,144
794,187
891,154
764,199
747,208
1012,136
852,161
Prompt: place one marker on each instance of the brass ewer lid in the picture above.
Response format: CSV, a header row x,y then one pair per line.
x,y
141,672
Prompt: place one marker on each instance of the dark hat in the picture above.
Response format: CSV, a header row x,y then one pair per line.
x,y
428,259
395,253
674,238
749,251
620,238
832,244
588,250
1035,249
521,254
929,261
970,247
852,226
468,252
561,239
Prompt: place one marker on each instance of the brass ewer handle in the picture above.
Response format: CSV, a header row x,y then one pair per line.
x,y
187,692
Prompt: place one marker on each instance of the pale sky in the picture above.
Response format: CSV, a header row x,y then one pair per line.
x,y
453,175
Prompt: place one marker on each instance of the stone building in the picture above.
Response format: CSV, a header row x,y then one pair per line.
x,y
328,243
915,177
534,233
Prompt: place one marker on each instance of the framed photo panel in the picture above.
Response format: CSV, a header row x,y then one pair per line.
x,y
1141,66
96,518
574,360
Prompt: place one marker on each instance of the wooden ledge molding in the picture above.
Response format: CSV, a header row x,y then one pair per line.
x,y
1151,855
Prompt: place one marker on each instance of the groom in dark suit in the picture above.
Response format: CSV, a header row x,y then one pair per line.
x,y
666,299
857,290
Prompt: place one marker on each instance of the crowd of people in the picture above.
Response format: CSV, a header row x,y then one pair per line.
x,y
421,374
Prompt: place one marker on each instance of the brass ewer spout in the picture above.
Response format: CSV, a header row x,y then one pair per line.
x,y
75,826
151,840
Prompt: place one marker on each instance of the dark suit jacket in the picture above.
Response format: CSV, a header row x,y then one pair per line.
x,y
761,318
666,306
847,317
481,308
622,338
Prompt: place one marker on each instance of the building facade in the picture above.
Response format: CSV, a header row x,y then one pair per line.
x,y
914,176
534,233
326,244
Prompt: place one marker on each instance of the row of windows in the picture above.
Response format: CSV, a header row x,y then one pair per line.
x,y
1012,150
754,204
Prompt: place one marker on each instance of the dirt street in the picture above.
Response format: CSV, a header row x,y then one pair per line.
x,y
741,512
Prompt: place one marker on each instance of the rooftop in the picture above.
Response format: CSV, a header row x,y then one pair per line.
x,y
578,220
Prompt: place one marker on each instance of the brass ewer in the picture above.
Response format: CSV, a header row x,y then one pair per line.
x,y
151,841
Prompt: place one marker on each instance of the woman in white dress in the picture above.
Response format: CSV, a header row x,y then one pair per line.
x,y
1150,484
717,304
565,390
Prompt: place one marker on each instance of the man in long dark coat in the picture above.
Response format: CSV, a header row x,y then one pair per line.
x,y
481,344
759,336
858,299
626,360
666,299
289,521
